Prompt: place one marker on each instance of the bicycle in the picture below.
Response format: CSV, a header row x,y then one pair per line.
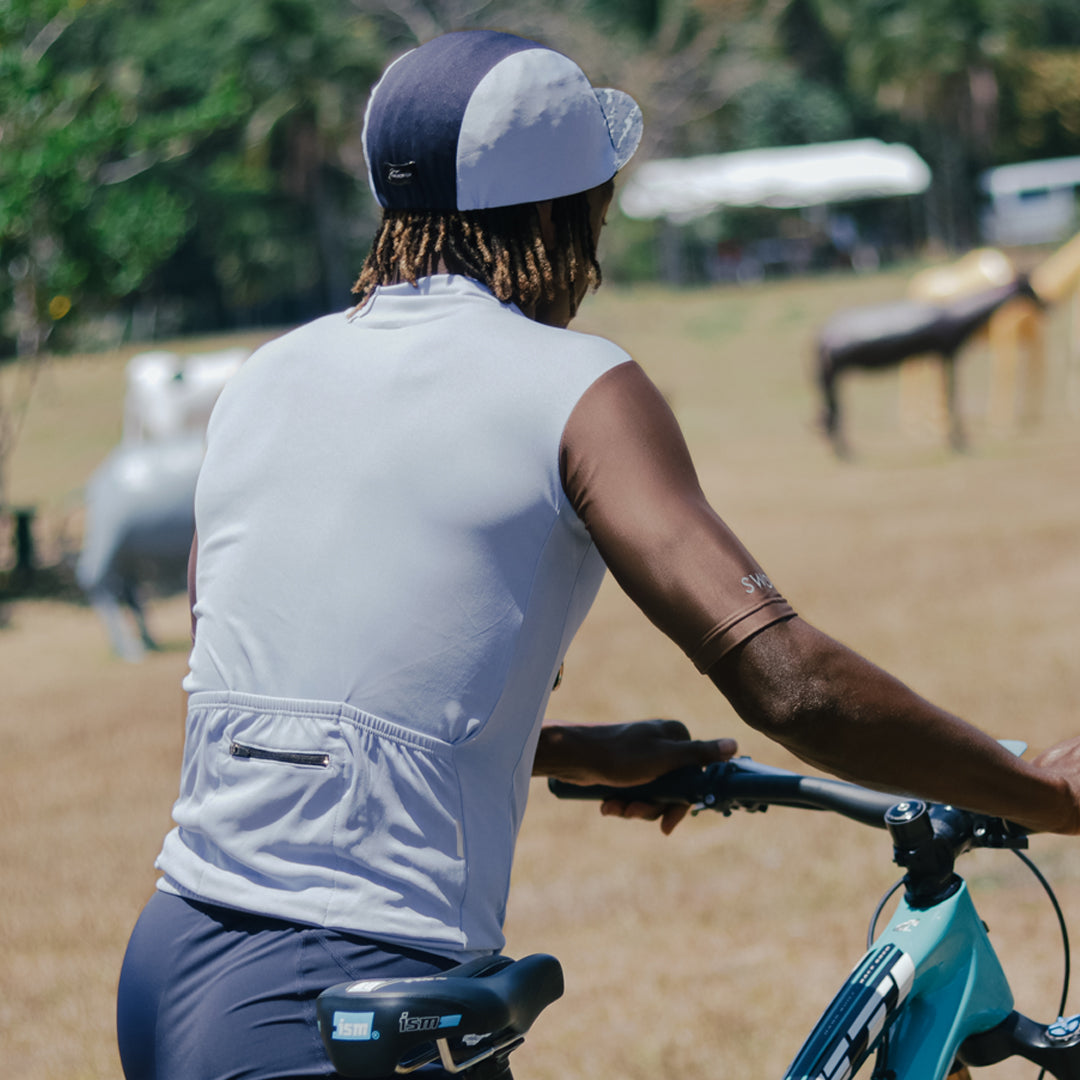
x,y
928,999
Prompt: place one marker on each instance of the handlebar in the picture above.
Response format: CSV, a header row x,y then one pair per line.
x,y
744,784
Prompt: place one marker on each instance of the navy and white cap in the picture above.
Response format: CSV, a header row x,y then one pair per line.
x,y
478,118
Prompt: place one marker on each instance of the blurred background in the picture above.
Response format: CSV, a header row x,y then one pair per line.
x,y
180,166
181,180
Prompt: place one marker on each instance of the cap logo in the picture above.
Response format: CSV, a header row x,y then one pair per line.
x,y
405,173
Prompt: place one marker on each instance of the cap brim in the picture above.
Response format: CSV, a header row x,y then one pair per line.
x,y
624,122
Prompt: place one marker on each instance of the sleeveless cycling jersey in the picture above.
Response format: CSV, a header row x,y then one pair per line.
x,y
389,573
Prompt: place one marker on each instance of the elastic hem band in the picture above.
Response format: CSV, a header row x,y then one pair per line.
x,y
335,710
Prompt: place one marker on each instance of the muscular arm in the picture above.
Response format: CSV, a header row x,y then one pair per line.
x,y
629,475
837,711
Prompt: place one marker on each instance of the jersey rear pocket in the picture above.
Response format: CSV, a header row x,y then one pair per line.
x,y
314,759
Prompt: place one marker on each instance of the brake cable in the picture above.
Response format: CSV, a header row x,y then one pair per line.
x,y
1061,923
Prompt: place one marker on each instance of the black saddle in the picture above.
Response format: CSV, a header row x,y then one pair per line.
x,y
471,1013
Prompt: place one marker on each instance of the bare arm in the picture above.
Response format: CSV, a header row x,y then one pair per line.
x,y
837,711
628,472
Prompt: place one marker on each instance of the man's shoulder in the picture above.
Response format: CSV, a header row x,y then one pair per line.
x,y
577,346
335,322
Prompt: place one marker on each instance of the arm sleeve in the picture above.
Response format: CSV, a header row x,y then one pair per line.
x,y
627,471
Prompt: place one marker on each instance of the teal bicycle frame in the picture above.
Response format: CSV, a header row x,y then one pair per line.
x,y
929,996
930,980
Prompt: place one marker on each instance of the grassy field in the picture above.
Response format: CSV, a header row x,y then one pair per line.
x,y
706,954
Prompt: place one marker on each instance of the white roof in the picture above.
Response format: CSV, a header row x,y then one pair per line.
x,y
1032,176
788,176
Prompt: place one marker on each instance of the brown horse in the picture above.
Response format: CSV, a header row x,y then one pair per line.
x,y
882,336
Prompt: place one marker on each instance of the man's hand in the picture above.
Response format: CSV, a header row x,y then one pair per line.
x,y
1064,759
623,755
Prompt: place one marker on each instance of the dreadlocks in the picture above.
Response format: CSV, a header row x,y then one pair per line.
x,y
502,248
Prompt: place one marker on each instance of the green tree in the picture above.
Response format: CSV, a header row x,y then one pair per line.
x,y
279,193
65,232
937,65
788,109
1044,102
172,141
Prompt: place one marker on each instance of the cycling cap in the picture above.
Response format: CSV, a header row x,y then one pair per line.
x,y
478,118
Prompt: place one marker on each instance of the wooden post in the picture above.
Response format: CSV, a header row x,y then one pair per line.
x,y
25,555
22,542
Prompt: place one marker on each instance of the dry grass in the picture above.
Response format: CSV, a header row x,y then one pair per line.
x,y
705,954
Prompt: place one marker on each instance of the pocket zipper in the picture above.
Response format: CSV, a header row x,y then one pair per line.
x,y
288,757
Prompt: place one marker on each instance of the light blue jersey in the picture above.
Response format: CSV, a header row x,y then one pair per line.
x,y
389,576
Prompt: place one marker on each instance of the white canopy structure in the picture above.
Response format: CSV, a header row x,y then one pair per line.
x,y
782,177
1033,202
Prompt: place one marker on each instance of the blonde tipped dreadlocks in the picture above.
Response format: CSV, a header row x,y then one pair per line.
x,y
502,248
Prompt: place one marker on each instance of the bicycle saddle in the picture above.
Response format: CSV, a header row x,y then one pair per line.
x,y
378,1027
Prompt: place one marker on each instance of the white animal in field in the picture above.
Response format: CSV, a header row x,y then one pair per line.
x,y
140,520
140,502
148,410
169,395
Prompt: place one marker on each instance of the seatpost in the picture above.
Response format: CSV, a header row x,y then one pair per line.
x,y
927,857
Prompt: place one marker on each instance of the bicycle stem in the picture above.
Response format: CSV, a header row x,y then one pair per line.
x,y
927,857
927,840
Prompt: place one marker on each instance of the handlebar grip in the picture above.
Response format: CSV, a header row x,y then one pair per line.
x,y
678,786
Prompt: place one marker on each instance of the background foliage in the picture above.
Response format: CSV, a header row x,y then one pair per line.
x,y
174,166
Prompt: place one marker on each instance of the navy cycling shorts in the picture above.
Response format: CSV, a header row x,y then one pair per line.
x,y
208,993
